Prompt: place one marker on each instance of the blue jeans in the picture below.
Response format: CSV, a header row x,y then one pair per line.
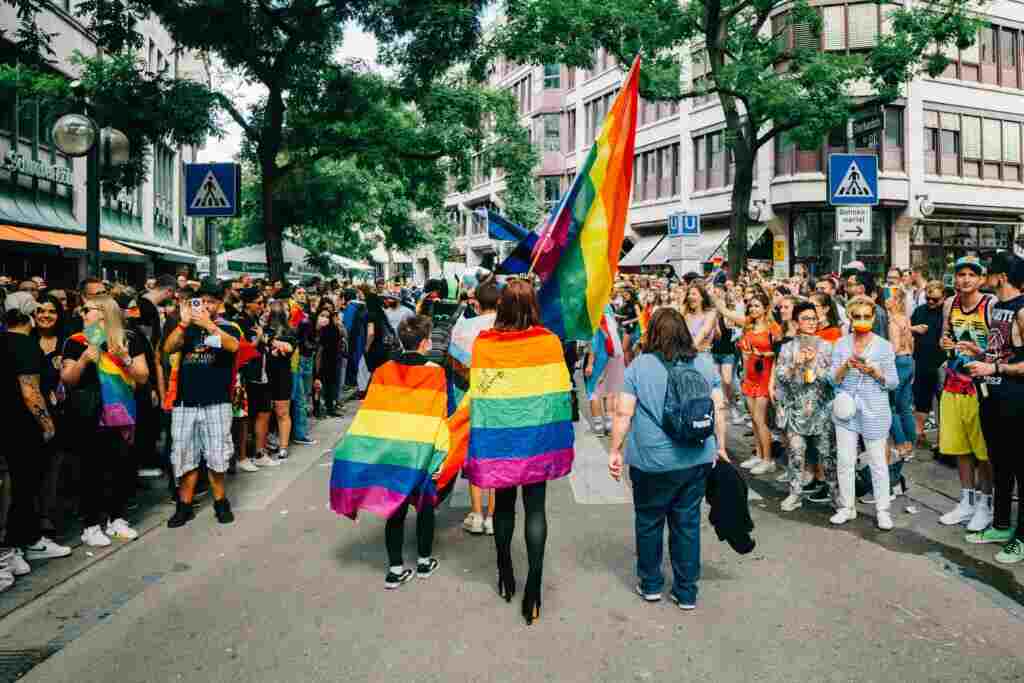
x,y
904,428
676,497
302,387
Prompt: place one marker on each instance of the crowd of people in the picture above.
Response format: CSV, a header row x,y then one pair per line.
x,y
187,379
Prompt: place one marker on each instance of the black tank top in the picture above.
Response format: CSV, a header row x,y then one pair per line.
x,y
1001,348
723,345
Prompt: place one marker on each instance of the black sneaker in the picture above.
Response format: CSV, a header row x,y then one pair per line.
x,y
183,514
823,494
810,487
305,441
392,580
222,509
425,569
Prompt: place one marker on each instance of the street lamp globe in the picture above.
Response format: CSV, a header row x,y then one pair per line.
x,y
74,134
114,147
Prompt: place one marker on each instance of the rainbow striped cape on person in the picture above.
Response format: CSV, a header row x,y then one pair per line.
x,y
399,438
520,414
576,255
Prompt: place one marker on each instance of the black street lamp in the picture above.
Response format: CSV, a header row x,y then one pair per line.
x,y
76,135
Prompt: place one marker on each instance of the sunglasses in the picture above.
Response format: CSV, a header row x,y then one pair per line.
x,y
934,299
862,317
808,319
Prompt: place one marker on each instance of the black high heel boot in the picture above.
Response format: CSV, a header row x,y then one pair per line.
x,y
506,577
531,598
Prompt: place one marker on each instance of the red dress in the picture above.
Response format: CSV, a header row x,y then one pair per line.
x,y
755,378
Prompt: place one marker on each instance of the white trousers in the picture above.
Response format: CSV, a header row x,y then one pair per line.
x,y
846,464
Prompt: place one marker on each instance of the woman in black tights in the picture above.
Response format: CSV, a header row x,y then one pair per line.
x,y
521,430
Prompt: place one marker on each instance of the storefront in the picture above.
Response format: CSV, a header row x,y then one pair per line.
x,y
937,242
812,236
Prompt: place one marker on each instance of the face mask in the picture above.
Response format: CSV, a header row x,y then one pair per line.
x,y
862,325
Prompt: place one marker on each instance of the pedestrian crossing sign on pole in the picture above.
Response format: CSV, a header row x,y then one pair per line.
x,y
853,179
212,189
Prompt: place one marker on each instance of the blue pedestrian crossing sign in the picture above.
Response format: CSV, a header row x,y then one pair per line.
x,y
853,179
212,189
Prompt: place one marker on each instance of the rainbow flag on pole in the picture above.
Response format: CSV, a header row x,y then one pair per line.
x,y
520,414
397,441
577,254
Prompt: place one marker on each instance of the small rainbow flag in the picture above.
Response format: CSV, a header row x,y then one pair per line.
x,y
645,320
520,414
117,389
397,441
577,254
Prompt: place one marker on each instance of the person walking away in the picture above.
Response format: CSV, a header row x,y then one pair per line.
x,y
803,393
965,335
102,365
863,371
519,363
402,426
460,356
201,418
926,326
668,476
604,372
30,418
904,428
1003,374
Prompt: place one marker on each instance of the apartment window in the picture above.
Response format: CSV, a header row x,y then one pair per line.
x,y
994,58
570,131
700,165
701,79
862,26
552,77
595,112
656,173
552,190
570,178
713,163
552,133
570,77
522,90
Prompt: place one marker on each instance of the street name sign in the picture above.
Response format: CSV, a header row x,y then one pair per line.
x,y
853,223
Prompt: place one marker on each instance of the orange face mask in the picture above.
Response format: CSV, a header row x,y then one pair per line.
x,y
862,325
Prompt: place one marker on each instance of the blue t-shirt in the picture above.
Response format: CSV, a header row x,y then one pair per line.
x,y
648,448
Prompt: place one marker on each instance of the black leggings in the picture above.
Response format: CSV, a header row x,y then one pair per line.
x,y
999,425
108,476
536,532
394,533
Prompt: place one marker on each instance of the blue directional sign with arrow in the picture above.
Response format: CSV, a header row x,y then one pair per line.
x,y
212,189
853,179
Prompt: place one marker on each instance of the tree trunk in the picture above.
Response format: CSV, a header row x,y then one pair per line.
x,y
742,187
272,233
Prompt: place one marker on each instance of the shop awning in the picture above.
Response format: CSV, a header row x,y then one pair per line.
x,y
754,233
643,246
67,241
351,264
380,255
166,253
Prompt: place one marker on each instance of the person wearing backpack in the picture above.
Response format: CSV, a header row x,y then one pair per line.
x,y
669,429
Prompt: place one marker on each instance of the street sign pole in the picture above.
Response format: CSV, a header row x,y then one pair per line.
x,y
851,148
211,244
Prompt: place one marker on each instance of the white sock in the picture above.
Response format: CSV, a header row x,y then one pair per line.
x,y
397,569
424,560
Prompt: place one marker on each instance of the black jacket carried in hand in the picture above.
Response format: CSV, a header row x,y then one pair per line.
x,y
730,515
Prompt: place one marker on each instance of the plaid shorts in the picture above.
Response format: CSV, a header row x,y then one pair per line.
x,y
203,432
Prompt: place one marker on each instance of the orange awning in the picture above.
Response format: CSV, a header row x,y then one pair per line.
x,y
63,240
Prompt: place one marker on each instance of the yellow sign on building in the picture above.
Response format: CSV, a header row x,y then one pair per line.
x,y
779,250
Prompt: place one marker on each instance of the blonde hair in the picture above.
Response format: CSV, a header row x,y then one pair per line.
x,y
935,286
113,323
860,302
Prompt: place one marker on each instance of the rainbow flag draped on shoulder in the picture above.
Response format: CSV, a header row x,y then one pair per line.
x,y
399,438
117,389
577,252
520,414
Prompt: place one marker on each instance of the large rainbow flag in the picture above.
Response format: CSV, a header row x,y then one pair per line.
x,y
520,414
397,441
577,252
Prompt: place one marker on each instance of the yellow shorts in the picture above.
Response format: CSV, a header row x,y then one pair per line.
x,y
960,426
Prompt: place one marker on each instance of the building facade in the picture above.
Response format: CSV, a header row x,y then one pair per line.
x,y
950,171
43,192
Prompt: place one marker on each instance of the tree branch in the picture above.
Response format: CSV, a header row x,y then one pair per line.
x,y
233,112
276,18
772,132
731,14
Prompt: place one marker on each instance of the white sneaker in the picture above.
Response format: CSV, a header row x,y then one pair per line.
x,y
474,523
737,417
6,572
597,424
963,511
489,526
119,529
94,536
266,461
150,473
792,503
843,516
247,466
884,521
45,549
765,467
17,564
783,478
752,461
982,517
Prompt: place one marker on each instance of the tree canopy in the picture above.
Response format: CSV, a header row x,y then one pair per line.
x,y
760,58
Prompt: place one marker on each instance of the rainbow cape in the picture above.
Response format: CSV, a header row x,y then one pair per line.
x,y
398,439
520,414
577,252
117,389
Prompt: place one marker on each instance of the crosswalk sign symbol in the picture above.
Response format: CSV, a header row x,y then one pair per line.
x,y
212,189
853,179
210,195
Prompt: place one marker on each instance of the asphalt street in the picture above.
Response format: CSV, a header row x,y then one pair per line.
x,y
291,592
